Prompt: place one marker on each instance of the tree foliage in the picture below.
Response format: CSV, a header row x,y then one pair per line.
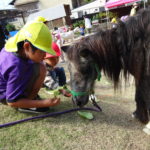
x,y
10,27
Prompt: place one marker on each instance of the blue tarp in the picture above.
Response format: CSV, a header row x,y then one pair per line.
x,y
12,33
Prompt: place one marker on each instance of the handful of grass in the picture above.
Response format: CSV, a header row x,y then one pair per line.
x,y
86,115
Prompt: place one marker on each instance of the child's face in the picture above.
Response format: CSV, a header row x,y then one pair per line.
x,y
52,61
36,56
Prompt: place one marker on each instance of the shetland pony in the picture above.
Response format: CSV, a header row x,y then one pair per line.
x,y
124,48
69,36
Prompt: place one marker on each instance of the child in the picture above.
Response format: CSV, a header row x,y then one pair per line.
x,y
4,34
55,75
114,22
82,30
88,25
22,72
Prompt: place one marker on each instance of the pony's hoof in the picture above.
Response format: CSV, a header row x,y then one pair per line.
x,y
146,130
134,115
92,96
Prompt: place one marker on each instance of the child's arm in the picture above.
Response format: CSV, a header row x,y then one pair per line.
x,y
27,103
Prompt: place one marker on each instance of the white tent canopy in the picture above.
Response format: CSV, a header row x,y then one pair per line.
x,y
50,13
95,4
8,7
92,7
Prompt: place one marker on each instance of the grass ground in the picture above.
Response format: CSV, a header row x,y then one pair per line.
x,y
112,129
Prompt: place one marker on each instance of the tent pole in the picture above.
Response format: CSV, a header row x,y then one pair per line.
x,y
144,4
23,19
107,12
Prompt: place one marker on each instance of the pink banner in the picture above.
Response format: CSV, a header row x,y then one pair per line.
x,y
115,3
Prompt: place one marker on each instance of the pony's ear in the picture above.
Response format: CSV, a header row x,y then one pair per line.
x,y
65,48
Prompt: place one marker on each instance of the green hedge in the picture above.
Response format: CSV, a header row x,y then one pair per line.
x,y
10,27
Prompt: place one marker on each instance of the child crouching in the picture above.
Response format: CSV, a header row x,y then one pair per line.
x,y
55,77
22,72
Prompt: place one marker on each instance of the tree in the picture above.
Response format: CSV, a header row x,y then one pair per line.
x,y
10,27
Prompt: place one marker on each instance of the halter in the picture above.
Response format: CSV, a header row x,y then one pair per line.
x,y
74,93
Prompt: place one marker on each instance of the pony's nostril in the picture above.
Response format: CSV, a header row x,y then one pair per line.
x,y
79,103
76,101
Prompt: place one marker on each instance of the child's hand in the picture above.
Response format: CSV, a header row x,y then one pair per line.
x,y
54,101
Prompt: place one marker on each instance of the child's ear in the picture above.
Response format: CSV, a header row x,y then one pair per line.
x,y
26,46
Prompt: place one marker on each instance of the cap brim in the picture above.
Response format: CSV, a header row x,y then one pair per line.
x,y
47,50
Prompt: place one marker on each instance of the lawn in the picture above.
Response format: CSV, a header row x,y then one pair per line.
x,y
112,129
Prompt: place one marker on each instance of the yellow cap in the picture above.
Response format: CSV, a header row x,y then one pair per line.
x,y
37,33
41,19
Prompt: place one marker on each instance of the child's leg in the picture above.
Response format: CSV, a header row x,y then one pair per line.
x,y
53,75
60,72
40,70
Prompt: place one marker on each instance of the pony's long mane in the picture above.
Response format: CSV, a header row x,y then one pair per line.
x,y
119,48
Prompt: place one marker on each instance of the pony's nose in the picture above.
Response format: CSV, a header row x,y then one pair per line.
x,y
80,100
79,103
76,101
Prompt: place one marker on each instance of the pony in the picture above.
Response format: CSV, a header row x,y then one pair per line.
x,y
126,49
69,36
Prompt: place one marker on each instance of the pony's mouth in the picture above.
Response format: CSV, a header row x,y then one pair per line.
x,y
80,100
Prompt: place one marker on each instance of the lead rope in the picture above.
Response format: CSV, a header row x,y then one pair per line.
x,y
98,72
97,109
47,115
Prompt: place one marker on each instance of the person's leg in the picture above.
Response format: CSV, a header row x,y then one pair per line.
x,y
90,30
87,31
53,75
60,73
40,71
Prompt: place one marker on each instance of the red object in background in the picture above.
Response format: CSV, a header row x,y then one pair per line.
x,y
56,48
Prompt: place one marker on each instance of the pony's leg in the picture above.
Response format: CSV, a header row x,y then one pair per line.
x,y
93,96
141,112
143,103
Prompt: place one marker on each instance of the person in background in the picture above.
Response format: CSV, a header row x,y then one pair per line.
x,y
82,30
23,75
88,25
55,77
134,9
4,34
58,40
114,22
124,18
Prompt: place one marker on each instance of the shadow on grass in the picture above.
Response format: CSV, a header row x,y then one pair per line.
x,y
114,113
